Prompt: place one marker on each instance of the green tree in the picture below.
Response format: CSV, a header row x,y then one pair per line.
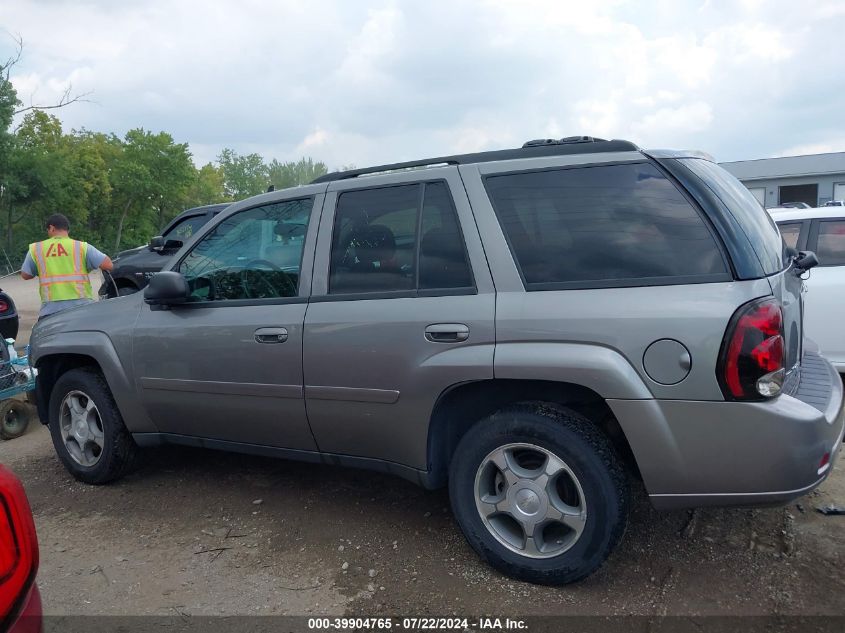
x,y
206,188
37,179
291,174
243,176
152,177
8,103
8,97
55,172
118,191
37,170
88,183
132,186
94,157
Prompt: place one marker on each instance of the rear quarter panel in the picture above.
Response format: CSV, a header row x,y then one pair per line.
x,y
623,321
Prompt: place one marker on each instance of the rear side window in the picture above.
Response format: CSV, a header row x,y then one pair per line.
x,y
758,225
830,248
375,234
401,238
443,261
602,226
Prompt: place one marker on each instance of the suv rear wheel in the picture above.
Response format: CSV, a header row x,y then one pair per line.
x,y
87,430
539,493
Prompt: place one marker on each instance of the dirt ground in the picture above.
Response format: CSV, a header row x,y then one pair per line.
x,y
202,533
195,532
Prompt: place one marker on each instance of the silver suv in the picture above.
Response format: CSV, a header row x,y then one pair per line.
x,y
532,327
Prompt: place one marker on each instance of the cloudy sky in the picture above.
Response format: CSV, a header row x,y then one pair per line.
x,y
365,82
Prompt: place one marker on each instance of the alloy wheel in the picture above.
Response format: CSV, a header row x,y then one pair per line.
x,y
81,428
530,500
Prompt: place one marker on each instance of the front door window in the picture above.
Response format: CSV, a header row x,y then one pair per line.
x,y
253,254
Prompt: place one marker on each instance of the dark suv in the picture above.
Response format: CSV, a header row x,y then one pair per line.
x,y
133,268
531,327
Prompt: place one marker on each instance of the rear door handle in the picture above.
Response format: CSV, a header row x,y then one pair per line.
x,y
271,335
447,332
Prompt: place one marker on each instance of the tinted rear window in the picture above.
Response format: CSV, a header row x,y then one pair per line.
x,y
758,226
385,240
607,225
831,243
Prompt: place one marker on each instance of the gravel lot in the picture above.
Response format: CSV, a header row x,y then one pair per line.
x,y
195,532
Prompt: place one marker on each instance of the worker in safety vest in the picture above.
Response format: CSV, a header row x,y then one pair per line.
x,y
62,265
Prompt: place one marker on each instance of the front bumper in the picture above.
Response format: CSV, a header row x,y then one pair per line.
x,y
693,453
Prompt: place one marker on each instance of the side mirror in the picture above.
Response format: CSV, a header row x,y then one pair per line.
x,y
806,260
157,243
167,288
173,245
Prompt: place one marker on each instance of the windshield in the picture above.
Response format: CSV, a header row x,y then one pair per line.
x,y
759,228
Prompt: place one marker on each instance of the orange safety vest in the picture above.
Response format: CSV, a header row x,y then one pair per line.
x,y
62,269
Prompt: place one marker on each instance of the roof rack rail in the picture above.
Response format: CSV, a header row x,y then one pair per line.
x,y
562,141
531,149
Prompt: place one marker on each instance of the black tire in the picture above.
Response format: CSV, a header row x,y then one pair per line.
x,y
587,452
14,419
9,326
119,449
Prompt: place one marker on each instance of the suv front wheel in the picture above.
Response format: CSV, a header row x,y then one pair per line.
x,y
87,430
539,493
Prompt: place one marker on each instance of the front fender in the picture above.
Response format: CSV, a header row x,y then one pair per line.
x,y
98,347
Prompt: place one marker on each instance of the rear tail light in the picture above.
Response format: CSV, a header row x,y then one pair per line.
x,y
824,464
18,546
3,306
751,362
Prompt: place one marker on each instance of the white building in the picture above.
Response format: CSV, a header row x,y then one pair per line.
x,y
814,178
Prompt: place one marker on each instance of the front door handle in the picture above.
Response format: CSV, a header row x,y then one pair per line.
x,y
447,333
271,335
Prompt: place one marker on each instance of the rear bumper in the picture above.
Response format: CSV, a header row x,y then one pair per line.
x,y
694,453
